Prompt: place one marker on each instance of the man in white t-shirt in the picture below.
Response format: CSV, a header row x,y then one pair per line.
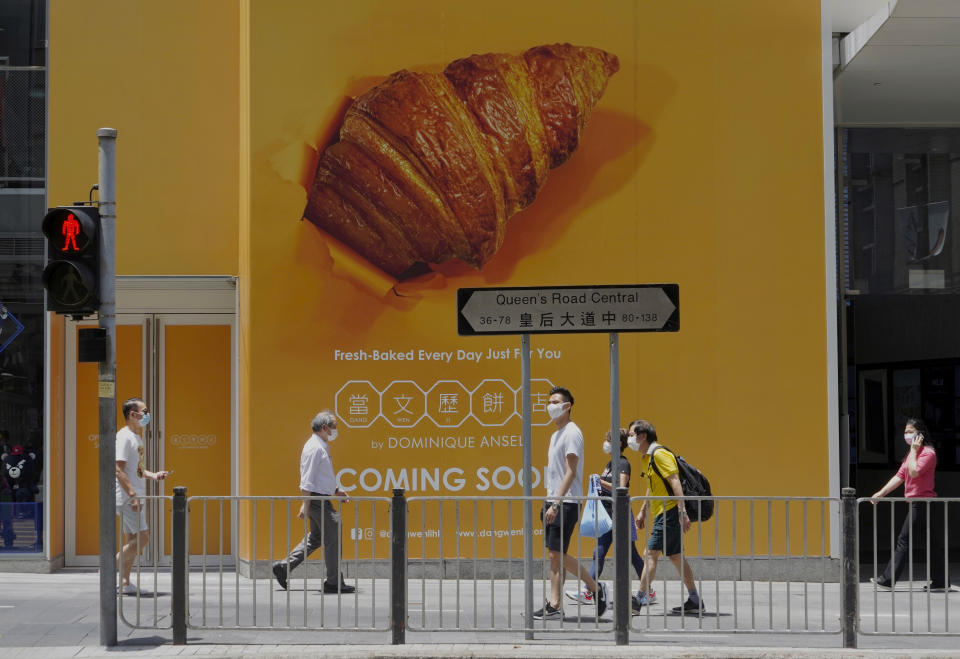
x,y
564,478
317,479
131,485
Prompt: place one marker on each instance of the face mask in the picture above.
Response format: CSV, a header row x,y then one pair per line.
x,y
633,443
333,435
607,448
144,420
555,410
908,437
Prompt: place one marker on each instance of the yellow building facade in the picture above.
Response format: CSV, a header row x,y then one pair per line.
x,y
702,164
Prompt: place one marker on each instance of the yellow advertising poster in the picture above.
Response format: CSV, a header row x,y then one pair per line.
x,y
401,151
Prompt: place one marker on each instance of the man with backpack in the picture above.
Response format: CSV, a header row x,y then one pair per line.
x,y
670,519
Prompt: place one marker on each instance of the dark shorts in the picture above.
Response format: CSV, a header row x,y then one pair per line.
x,y
555,538
666,535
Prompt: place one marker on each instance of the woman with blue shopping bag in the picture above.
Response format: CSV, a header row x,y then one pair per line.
x,y
602,485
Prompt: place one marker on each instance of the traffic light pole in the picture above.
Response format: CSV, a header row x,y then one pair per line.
x,y
107,142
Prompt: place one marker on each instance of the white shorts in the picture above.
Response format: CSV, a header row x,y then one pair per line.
x,y
133,520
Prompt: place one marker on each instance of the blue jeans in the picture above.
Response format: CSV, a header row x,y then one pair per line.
x,y
603,546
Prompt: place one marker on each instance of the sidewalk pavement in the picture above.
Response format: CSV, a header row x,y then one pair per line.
x,y
472,650
57,615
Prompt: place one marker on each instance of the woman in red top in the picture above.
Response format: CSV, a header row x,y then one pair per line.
x,y
917,474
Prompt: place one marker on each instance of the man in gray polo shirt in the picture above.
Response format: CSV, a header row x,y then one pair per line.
x,y
317,478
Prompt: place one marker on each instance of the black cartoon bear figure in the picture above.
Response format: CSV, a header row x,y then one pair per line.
x,y
17,487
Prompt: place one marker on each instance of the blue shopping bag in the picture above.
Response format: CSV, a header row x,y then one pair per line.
x,y
596,521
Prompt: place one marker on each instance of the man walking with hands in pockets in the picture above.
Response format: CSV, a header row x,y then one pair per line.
x,y
317,478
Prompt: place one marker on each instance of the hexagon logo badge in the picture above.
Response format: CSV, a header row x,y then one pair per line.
x,y
539,397
403,404
494,402
448,403
357,404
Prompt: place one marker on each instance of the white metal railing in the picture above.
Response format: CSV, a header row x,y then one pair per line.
x,y
256,601
773,551
150,607
459,564
912,603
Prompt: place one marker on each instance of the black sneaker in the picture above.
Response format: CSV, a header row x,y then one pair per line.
x,y
601,597
881,584
280,572
331,588
936,588
547,613
689,607
637,603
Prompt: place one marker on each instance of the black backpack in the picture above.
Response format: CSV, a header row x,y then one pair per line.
x,y
694,484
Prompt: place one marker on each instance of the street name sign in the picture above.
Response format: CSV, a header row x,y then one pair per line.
x,y
568,309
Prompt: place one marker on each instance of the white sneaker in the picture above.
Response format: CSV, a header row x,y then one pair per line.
x,y
129,589
584,597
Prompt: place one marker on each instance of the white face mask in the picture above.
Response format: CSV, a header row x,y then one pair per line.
x,y
144,420
555,410
908,437
606,447
633,443
333,435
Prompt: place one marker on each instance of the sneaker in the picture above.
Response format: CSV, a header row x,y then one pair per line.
x,y
935,588
280,572
547,613
345,588
601,598
637,602
881,584
689,607
652,597
129,589
584,597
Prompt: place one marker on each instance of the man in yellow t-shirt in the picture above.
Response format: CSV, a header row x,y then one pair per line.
x,y
670,520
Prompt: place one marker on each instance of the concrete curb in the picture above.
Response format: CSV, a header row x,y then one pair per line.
x,y
468,650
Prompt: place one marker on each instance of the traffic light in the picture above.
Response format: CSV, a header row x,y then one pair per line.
x,y
72,275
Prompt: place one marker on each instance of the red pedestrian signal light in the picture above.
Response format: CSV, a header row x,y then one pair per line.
x,y
69,227
72,275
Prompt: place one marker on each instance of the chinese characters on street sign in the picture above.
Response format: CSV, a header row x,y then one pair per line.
x,y
568,309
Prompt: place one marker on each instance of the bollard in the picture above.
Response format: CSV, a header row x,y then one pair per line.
x,y
621,555
398,565
848,579
179,567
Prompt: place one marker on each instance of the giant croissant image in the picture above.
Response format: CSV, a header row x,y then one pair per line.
x,y
430,166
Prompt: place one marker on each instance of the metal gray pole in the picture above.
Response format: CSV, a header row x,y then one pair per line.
x,y
621,543
107,379
398,569
615,412
621,537
848,576
179,573
527,486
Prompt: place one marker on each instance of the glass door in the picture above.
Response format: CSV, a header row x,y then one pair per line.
x,y
182,366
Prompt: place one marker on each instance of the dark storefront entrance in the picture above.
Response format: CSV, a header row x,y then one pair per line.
x,y
900,195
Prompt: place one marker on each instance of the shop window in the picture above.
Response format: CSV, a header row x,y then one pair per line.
x,y
22,204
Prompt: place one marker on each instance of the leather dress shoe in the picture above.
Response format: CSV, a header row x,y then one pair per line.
x,y
331,589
